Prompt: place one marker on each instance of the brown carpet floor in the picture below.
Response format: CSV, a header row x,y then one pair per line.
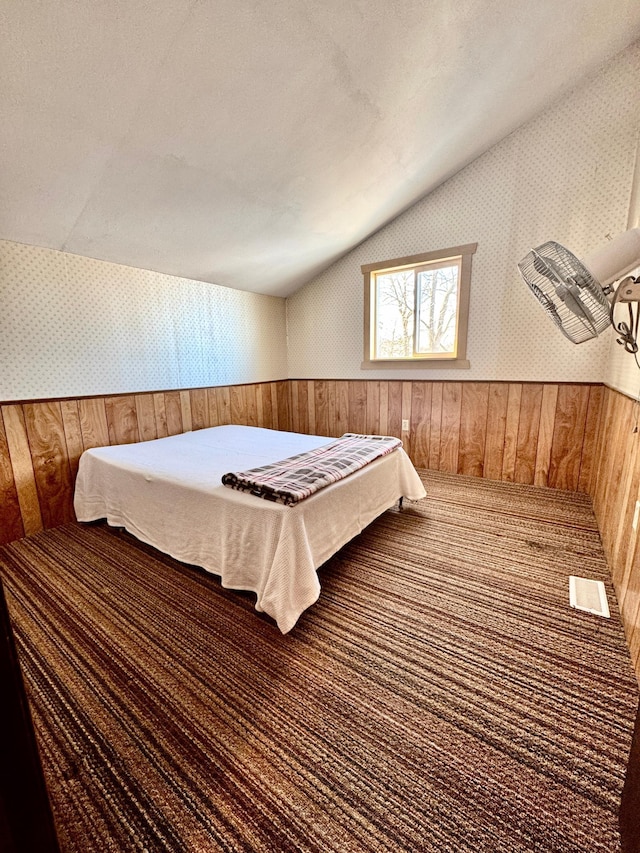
x,y
440,696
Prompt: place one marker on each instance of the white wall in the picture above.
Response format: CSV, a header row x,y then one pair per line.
x,y
72,326
565,176
623,371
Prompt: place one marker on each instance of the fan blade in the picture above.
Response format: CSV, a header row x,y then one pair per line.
x,y
551,270
574,304
547,267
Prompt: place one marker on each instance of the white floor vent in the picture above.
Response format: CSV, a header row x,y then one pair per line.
x,y
589,595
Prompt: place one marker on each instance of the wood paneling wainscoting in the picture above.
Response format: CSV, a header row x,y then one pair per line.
x,y
615,488
41,442
541,434
534,433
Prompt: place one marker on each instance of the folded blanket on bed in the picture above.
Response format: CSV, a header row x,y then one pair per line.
x,y
290,480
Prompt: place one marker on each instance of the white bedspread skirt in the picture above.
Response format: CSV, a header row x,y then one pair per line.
x,y
168,493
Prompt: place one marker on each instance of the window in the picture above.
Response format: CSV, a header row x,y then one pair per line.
x,y
416,309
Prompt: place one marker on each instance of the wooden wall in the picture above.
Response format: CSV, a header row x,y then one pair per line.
x,y
615,488
542,434
41,443
524,433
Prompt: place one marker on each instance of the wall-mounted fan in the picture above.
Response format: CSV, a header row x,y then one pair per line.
x,y
575,293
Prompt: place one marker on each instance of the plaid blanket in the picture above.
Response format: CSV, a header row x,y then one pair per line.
x,y
295,478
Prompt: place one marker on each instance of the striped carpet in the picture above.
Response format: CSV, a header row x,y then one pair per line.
x,y
440,696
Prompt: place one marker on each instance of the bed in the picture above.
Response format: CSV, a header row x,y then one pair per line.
x,y
168,493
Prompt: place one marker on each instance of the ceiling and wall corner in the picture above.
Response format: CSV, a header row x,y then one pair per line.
x,y
566,175
252,144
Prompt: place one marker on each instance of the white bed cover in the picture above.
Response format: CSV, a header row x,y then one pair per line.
x,y
168,493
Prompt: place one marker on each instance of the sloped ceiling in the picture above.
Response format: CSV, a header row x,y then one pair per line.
x,y
252,143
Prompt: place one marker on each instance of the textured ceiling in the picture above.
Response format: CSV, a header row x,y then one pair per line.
x,y
252,143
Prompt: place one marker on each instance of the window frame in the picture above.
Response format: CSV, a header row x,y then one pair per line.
x,y
426,361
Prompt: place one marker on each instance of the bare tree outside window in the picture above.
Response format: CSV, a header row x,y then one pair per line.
x,y
437,309
416,309
395,314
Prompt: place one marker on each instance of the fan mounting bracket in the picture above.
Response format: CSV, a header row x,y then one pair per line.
x,y
628,290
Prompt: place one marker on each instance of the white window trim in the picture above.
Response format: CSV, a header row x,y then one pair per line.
x,y
428,361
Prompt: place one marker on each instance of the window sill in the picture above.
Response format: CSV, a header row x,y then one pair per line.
x,y
418,363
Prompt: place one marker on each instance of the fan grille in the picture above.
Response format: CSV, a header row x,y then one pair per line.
x,y
567,291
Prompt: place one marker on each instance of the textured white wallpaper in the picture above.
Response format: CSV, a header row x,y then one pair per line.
x,y
622,370
73,326
564,176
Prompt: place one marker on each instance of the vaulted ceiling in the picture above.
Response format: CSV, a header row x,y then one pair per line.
x,y
252,143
